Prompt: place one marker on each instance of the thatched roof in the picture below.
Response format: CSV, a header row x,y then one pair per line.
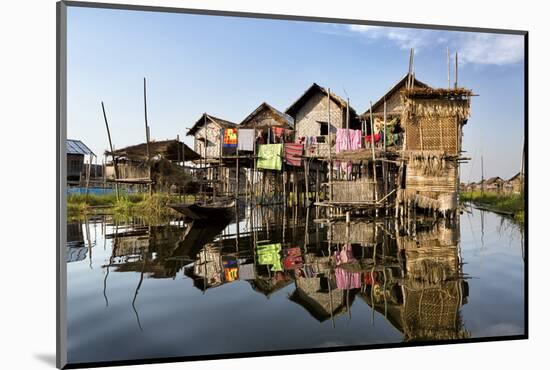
x,y
268,286
205,117
167,149
283,119
312,90
394,89
493,180
320,310
516,176
436,93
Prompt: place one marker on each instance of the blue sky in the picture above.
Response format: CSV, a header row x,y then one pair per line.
x,y
227,66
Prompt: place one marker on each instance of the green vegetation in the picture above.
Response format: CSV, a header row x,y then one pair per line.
x,y
513,204
142,205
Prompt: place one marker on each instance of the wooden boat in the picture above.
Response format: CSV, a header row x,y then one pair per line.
x,y
218,211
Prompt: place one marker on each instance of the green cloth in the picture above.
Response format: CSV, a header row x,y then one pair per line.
x,y
389,136
269,156
269,254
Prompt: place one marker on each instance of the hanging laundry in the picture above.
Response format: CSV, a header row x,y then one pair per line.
x,y
369,278
229,141
246,272
293,154
269,254
344,278
246,139
370,138
347,139
230,137
345,255
231,274
278,131
269,156
347,280
293,258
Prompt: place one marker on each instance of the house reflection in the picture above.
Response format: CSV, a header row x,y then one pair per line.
x,y
409,274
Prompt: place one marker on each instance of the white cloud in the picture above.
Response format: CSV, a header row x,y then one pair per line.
x,y
404,38
485,48
475,48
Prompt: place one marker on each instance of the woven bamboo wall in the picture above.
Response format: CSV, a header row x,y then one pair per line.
x,y
432,313
212,134
432,133
319,150
127,171
131,245
353,191
315,111
359,233
432,185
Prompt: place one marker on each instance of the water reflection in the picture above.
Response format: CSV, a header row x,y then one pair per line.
x,y
412,276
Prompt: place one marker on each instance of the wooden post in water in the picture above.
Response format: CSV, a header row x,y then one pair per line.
x,y
306,179
112,150
147,135
329,152
373,154
456,70
449,68
88,174
255,167
237,180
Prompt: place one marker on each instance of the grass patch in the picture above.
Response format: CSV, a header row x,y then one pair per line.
x,y
142,205
510,203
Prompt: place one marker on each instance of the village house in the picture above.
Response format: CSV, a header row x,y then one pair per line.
x,y
493,184
514,184
390,105
76,150
156,162
207,136
312,113
272,124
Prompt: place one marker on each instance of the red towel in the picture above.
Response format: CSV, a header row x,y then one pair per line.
x,y
368,138
293,154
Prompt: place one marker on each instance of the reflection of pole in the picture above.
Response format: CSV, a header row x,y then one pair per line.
x,y
113,249
328,275
136,293
87,225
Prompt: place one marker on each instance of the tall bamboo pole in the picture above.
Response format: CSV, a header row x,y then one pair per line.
x,y
449,68
373,154
112,150
456,70
329,148
147,133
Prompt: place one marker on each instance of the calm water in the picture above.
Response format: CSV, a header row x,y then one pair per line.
x,y
278,280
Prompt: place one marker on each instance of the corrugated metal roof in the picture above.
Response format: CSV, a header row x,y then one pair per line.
x,y
77,147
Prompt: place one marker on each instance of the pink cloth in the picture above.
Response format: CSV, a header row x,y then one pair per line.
x,y
346,279
347,139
